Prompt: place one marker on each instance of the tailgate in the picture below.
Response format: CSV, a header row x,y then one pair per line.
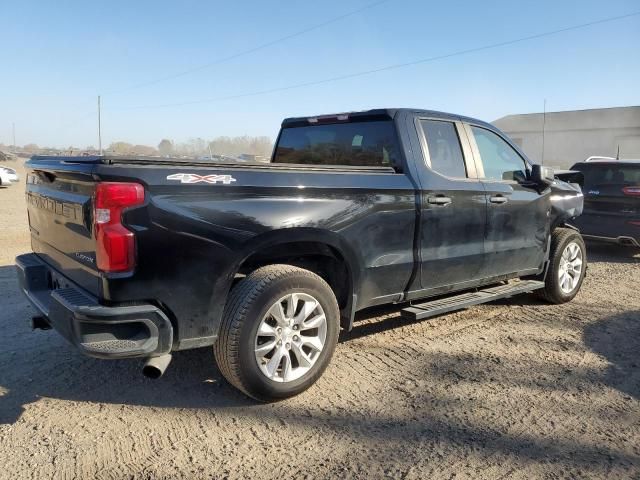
x,y
606,189
59,194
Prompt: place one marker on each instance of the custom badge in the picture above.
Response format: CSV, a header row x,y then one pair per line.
x,y
195,178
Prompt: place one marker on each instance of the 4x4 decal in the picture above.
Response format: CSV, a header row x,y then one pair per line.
x,y
195,178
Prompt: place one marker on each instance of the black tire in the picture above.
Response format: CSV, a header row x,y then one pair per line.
x,y
560,239
248,303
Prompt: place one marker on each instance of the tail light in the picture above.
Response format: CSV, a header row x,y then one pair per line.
x,y
631,191
115,249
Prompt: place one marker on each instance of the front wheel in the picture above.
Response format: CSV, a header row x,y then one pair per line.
x,y
567,266
279,331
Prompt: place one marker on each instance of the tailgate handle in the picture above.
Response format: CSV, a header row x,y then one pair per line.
x,y
498,199
439,200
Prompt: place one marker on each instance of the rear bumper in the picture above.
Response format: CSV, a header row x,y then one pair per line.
x,y
97,330
609,228
622,240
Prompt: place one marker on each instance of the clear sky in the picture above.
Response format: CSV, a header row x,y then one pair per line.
x,y
58,56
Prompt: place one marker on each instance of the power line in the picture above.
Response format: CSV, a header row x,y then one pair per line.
x,y
222,60
388,67
250,50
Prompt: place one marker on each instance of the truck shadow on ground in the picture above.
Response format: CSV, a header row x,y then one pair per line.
x,y
58,371
617,339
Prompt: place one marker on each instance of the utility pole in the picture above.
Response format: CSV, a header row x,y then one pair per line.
x,y
13,127
544,121
99,128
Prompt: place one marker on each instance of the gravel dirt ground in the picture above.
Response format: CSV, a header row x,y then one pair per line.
x,y
514,389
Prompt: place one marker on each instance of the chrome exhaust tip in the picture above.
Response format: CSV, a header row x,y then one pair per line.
x,y
154,367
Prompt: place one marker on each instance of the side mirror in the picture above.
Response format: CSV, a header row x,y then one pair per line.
x,y
542,175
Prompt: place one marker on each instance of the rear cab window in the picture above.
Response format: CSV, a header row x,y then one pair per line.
x,y
599,175
356,143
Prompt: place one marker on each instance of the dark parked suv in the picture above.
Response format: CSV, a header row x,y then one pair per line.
x,y
611,201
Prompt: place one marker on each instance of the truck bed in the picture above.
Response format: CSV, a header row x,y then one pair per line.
x,y
193,162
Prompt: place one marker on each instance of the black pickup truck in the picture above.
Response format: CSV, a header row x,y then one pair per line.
x,y
140,257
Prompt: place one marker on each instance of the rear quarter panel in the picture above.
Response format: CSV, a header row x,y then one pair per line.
x,y
192,237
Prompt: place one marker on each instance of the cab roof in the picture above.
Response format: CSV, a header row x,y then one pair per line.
x,y
378,114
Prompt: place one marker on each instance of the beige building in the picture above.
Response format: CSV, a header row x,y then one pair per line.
x,y
575,135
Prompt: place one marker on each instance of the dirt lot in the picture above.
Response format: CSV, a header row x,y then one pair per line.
x,y
517,389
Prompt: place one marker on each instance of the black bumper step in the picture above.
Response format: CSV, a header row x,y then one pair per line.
x,y
97,330
464,300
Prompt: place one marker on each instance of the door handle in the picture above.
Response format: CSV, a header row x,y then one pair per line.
x,y
439,200
498,199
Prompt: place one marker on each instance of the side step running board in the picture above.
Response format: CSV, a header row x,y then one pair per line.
x,y
464,300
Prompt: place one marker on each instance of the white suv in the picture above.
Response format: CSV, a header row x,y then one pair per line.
x,y
7,176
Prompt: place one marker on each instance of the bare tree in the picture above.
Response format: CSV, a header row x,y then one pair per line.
x,y
144,150
120,148
31,148
165,147
234,146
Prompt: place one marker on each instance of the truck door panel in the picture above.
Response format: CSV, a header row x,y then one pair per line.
x,y
517,229
517,215
453,212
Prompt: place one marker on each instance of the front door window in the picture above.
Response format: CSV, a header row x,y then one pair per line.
x,y
500,160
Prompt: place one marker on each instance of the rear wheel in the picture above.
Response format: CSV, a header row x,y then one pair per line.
x,y
278,332
567,266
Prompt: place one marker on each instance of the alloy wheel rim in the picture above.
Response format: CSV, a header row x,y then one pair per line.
x,y
570,269
290,338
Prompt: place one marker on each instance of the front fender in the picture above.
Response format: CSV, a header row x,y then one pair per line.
x,y
567,202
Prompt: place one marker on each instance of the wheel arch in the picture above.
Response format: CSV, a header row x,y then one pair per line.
x,y
322,252
562,223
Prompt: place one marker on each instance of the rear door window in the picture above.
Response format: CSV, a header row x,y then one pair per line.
x,y
445,151
366,144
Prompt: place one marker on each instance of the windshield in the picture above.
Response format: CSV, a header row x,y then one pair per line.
x,y
371,144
